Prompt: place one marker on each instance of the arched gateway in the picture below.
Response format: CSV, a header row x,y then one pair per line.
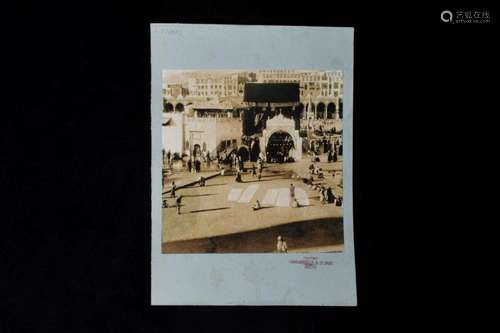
x,y
280,138
279,145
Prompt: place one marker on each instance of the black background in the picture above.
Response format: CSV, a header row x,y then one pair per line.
x,y
77,169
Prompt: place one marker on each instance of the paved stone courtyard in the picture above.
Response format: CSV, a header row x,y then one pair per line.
x,y
219,216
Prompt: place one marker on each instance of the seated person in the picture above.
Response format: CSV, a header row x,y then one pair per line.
x,y
330,197
257,205
238,177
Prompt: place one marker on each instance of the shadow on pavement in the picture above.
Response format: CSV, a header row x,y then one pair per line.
x,y
208,210
263,180
299,235
197,195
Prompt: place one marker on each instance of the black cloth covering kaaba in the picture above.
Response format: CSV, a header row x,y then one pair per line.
x,y
271,93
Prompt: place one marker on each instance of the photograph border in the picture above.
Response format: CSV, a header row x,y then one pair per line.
x,y
250,279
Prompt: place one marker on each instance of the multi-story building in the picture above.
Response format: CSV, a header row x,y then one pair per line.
x,y
176,90
321,92
314,83
211,85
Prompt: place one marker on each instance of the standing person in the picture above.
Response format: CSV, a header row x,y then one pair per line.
x,y
204,155
178,204
279,244
174,188
334,157
284,247
198,165
208,159
321,196
330,197
325,194
169,156
238,177
189,165
292,191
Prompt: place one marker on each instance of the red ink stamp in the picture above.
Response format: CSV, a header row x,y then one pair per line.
x,y
311,262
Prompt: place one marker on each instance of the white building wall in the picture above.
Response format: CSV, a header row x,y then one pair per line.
x,y
173,133
229,129
210,132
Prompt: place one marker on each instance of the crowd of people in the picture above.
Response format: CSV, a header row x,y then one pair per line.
x,y
255,171
334,148
231,160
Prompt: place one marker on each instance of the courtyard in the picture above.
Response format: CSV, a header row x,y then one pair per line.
x,y
218,217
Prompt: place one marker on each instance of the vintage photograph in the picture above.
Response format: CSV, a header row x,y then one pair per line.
x,y
252,161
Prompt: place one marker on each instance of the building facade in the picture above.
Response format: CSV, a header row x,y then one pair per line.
x,y
183,134
321,92
176,90
217,85
315,83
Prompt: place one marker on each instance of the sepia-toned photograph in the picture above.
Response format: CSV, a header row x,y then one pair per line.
x,y
252,161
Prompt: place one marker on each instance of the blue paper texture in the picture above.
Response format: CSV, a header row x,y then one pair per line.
x,y
250,279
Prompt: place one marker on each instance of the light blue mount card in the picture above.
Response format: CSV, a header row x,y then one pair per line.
x,y
251,279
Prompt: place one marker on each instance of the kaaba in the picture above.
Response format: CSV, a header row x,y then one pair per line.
x,y
271,93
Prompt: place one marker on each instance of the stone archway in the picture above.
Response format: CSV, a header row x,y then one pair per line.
x,y
312,111
320,110
286,128
168,107
179,107
278,146
330,110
